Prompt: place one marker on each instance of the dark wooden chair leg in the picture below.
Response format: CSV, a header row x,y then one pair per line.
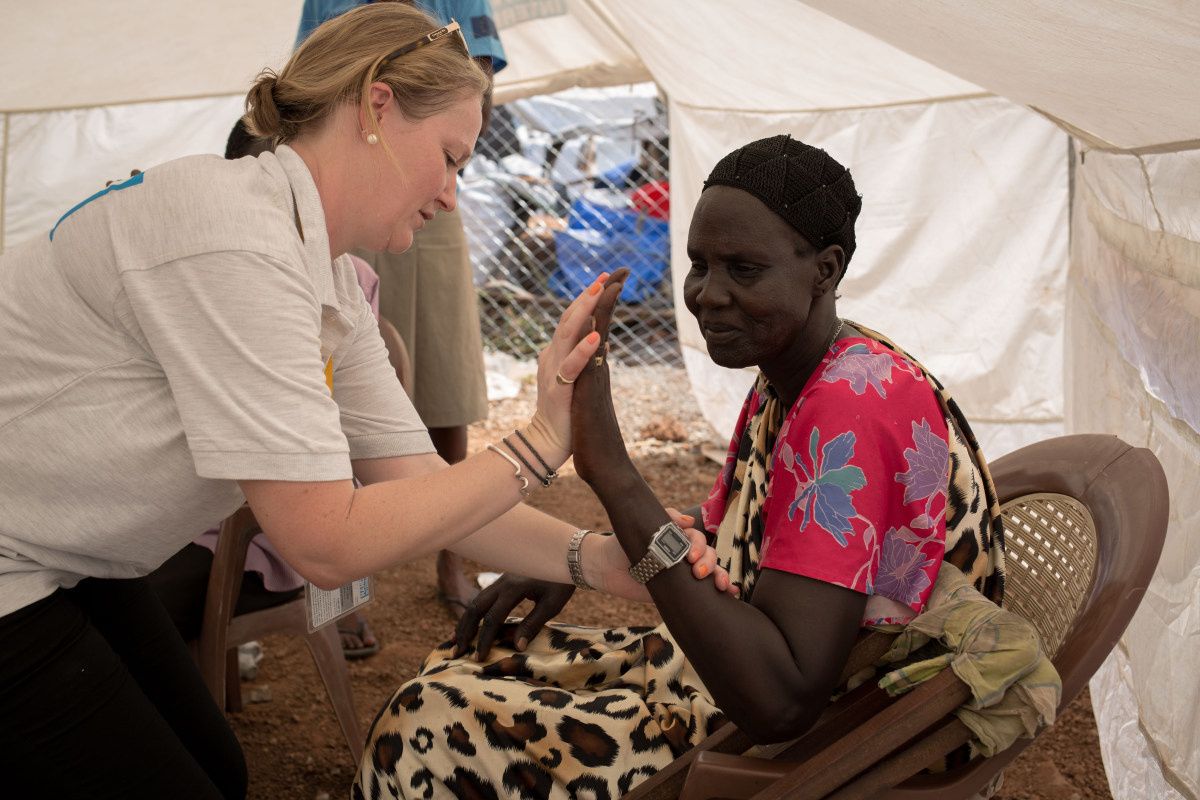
x,y
233,681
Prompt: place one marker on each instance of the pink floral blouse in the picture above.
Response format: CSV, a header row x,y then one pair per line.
x,y
858,479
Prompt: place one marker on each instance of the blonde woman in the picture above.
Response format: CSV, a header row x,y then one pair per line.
x,y
193,338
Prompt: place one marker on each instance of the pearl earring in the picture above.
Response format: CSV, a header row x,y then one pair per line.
x,y
372,139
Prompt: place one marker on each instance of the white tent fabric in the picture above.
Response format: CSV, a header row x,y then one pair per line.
x,y
1117,74
83,55
948,173
966,197
1133,323
559,44
93,90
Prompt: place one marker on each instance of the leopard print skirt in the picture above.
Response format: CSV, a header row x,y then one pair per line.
x,y
581,713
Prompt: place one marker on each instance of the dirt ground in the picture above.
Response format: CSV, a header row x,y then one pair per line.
x,y
294,748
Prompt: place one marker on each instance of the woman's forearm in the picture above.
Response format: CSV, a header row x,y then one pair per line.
x,y
719,634
532,543
332,532
520,539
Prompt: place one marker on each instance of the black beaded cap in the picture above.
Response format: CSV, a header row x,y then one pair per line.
x,y
802,184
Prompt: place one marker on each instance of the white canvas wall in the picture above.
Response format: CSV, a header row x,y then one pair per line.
x,y
1133,326
961,249
55,159
1116,73
962,241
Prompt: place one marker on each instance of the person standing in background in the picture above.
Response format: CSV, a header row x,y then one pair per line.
x,y
428,292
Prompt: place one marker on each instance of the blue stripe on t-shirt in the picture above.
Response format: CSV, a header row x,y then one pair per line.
x,y
116,187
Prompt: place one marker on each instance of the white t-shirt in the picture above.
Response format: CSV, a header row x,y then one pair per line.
x,y
168,338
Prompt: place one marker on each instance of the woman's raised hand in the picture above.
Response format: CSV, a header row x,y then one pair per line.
x,y
560,363
595,435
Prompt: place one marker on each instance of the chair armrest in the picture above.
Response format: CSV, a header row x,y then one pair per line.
x,y
731,777
669,782
876,737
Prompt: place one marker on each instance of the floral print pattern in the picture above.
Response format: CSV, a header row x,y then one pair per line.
x,y
903,569
858,480
859,366
827,485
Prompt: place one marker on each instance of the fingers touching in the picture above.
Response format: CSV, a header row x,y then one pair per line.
x,y
607,302
590,312
575,361
702,557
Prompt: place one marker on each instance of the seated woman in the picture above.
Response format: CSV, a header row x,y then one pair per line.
x,y
850,477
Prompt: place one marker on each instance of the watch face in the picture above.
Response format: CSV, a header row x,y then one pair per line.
x,y
674,544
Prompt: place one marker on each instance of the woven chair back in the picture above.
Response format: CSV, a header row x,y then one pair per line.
x,y
1050,562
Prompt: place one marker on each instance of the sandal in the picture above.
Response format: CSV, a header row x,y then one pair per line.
x,y
356,626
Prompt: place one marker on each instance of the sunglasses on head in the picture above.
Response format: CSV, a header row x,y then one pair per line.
x,y
428,38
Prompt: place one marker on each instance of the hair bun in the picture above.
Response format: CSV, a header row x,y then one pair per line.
x,y
262,110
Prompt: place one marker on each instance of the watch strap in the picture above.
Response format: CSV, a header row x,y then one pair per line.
x,y
575,559
646,568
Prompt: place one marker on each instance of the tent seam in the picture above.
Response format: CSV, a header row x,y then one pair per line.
x,y
1094,142
954,98
1150,194
608,20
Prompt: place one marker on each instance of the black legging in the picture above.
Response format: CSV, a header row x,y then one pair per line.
x,y
182,582
100,698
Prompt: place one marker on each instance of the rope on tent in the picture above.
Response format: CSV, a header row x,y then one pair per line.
x,y
923,101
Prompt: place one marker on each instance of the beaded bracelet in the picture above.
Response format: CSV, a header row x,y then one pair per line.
x,y
524,490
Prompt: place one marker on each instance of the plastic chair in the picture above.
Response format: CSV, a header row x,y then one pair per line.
x,y
221,632
1085,519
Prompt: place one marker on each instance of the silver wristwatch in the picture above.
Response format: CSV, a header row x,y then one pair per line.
x,y
668,547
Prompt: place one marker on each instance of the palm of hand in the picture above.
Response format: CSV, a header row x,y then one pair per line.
x,y
599,451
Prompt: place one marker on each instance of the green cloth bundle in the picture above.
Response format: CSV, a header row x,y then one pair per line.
x,y
1014,686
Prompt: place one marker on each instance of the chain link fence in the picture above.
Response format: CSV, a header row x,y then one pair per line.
x,y
561,188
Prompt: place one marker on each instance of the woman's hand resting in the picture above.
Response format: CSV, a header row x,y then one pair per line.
x,y
486,615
